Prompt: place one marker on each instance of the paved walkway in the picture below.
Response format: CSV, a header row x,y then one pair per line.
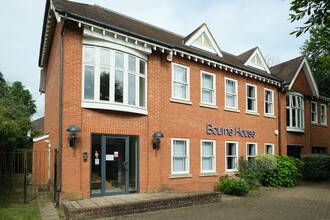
x,y
305,201
47,209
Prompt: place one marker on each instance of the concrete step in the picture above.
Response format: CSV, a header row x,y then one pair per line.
x,y
110,206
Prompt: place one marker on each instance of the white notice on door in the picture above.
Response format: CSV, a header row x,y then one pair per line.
x,y
109,157
97,161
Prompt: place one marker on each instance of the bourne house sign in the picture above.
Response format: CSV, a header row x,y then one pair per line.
x,y
210,129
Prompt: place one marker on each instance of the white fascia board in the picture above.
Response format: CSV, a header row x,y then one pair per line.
x,y
264,64
40,138
308,73
210,37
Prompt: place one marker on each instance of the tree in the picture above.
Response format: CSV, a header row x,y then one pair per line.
x,y
16,108
317,51
317,11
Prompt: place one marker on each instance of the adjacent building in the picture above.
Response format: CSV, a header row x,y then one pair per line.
x,y
133,108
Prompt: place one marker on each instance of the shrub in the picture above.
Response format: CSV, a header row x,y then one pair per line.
x,y
248,170
233,186
316,167
287,172
266,164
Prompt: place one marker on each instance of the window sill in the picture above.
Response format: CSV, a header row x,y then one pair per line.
x,y
315,123
269,116
231,172
252,113
208,174
111,106
180,101
324,125
179,176
208,106
232,109
298,130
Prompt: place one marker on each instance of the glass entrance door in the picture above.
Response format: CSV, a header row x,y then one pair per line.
x,y
114,165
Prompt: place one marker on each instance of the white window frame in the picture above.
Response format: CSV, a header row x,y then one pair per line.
x,y
323,115
266,102
235,107
314,112
235,156
213,170
187,160
188,82
272,147
214,91
110,104
247,150
297,110
255,98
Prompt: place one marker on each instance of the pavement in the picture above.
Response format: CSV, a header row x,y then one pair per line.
x,y
304,201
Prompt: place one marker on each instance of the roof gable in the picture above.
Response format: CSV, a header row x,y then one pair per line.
x,y
309,76
256,60
202,39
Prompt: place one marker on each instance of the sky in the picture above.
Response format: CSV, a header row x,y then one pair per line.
x,y
236,25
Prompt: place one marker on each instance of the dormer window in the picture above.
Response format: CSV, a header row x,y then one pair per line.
x,y
203,40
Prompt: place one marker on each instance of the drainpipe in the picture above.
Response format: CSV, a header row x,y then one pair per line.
x,y
60,126
48,170
279,90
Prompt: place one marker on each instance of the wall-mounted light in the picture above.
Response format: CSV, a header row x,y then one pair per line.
x,y
156,139
72,132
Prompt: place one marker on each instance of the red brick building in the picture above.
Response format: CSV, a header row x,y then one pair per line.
x,y
155,111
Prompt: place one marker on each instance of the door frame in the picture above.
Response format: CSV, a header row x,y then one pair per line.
x,y
104,137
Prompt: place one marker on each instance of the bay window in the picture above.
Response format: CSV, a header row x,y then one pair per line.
x,y
295,112
113,80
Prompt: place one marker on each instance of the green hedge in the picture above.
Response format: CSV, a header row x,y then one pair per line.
x,y
317,167
232,186
286,174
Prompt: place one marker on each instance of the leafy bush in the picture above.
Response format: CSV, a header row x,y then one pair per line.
x,y
266,164
317,167
286,174
249,171
233,186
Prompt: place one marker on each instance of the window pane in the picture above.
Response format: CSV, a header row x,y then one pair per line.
x,y
231,163
231,87
268,96
207,96
179,164
89,54
179,148
119,86
142,92
231,149
142,67
105,57
131,89
207,81
131,63
207,149
89,82
251,92
230,101
180,74
207,163
104,84
180,90
119,60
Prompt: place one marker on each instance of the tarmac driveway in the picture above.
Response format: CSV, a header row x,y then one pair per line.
x,y
305,201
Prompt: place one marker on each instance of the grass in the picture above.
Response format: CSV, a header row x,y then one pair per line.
x,y
21,211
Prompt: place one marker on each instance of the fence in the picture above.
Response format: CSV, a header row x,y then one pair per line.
x,y
22,172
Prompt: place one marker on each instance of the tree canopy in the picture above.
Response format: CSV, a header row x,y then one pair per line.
x,y
16,108
316,11
317,51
